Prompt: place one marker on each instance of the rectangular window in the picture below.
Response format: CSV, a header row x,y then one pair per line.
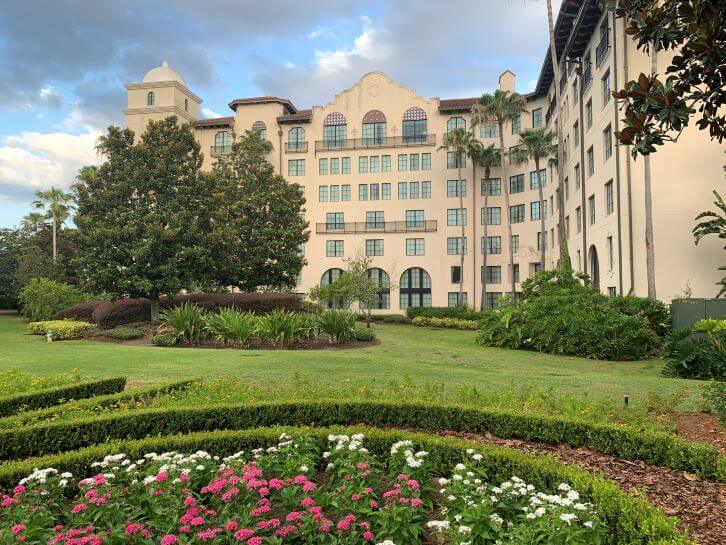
x,y
492,245
323,193
386,192
456,188
385,163
374,247
567,188
491,215
334,193
491,187
567,226
345,192
363,165
334,248
578,219
515,244
375,220
414,218
612,292
607,142
374,163
536,267
296,167
539,240
402,162
413,162
578,177
456,217
493,274
516,213
576,133
456,274
425,161
516,183
456,245
605,84
534,210
426,190
362,192
515,272
345,168
492,300
534,181
451,160
323,166
335,165
414,246
402,190
588,113
489,130
609,200
590,162
413,190
454,299
517,125
591,205
374,192
611,253
334,220
536,118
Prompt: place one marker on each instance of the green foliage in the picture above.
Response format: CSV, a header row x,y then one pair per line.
x,y
232,326
187,320
61,329
714,223
41,298
654,311
14,382
629,443
452,323
258,228
53,396
697,353
462,313
395,319
81,311
12,242
364,334
311,308
165,340
715,394
339,325
124,333
282,327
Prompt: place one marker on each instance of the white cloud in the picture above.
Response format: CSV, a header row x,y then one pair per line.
x,y
50,97
369,45
209,113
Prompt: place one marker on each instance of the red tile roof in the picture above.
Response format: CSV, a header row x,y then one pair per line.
x,y
214,122
301,116
289,106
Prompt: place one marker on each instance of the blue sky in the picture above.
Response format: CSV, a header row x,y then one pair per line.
x,y
63,64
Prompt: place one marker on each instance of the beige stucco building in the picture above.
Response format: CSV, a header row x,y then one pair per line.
x,y
376,180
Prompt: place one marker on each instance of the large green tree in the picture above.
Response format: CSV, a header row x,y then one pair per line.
x,y
12,243
258,223
144,214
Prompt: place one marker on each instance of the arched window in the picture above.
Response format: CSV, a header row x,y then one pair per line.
x,y
594,267
186,104
296,138
335,130
382,299
261,128
455,123
223,142
329,277
374,128
415,290
150,98
415,126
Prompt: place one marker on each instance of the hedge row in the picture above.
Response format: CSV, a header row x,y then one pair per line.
x,y
94,403
451,323
652,447
52,396
631,520
82,312
461,313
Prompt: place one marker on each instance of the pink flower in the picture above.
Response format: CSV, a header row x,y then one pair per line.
x,y
169,539
292,516
402,477
18,528
99,479
415,502
161,477
78,508
254,541
368,535
8,501
18,490
308,487
373,504
132,528
362,465
184,477
413,484
355,497
307,502
231,526
243,534
197,521
189,501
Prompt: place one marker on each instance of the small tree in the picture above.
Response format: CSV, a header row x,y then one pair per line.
x,y
57,207
714,224
143,215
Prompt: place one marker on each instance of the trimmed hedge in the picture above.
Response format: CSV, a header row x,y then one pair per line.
x,y
631,520
93,403
632,444
52,396
61,329
82,311
128,311
451,323
461,313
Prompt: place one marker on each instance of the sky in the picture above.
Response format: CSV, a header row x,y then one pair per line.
x,y
63,63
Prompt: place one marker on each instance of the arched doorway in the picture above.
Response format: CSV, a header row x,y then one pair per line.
x,y
594,263
382,299
329,277
415,288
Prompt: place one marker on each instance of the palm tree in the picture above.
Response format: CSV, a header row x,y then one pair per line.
x,y
460,141
33,222
538,145
487,157
56,205
501,107
648,197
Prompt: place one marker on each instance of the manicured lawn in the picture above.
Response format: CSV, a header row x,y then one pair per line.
x,y
421,355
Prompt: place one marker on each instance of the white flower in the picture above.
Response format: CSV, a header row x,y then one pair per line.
x,y
439,525
568,517
460,467
304,468
587,524
464,529
477,457
563,487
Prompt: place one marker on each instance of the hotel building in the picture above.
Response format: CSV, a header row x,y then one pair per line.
x,y
377,181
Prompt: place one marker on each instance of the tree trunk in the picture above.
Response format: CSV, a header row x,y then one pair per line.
x,y
368,315
648,194
485,232
540,196
505,189
463,231
55,244
154,300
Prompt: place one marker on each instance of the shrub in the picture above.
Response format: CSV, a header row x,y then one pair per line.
x,y
164,340
364,334
452,323
715,394
339,325
395,319
655,312
61,329
697,353
123,333
461,313
52,396
121,312
186,320
311,308
232,326
282,327
82,311
41,298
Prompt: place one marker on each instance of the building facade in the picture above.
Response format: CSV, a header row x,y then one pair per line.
x,y
377,180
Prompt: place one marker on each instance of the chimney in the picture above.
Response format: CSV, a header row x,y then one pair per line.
x,y
507,81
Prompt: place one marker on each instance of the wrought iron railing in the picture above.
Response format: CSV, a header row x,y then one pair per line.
x,y
221,150
296,147
586,77
376,142
601,52
417,226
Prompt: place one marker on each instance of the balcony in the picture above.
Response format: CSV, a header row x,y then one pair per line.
x,y
351,228
563,81
296,147
601,52
586,78
221,150
376,143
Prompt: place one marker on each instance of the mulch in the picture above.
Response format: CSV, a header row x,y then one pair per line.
x,y
701,505
701,428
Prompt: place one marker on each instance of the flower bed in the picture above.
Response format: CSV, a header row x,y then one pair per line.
x,y
289,493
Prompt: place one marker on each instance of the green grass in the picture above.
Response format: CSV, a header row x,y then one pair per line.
x,y
420,355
